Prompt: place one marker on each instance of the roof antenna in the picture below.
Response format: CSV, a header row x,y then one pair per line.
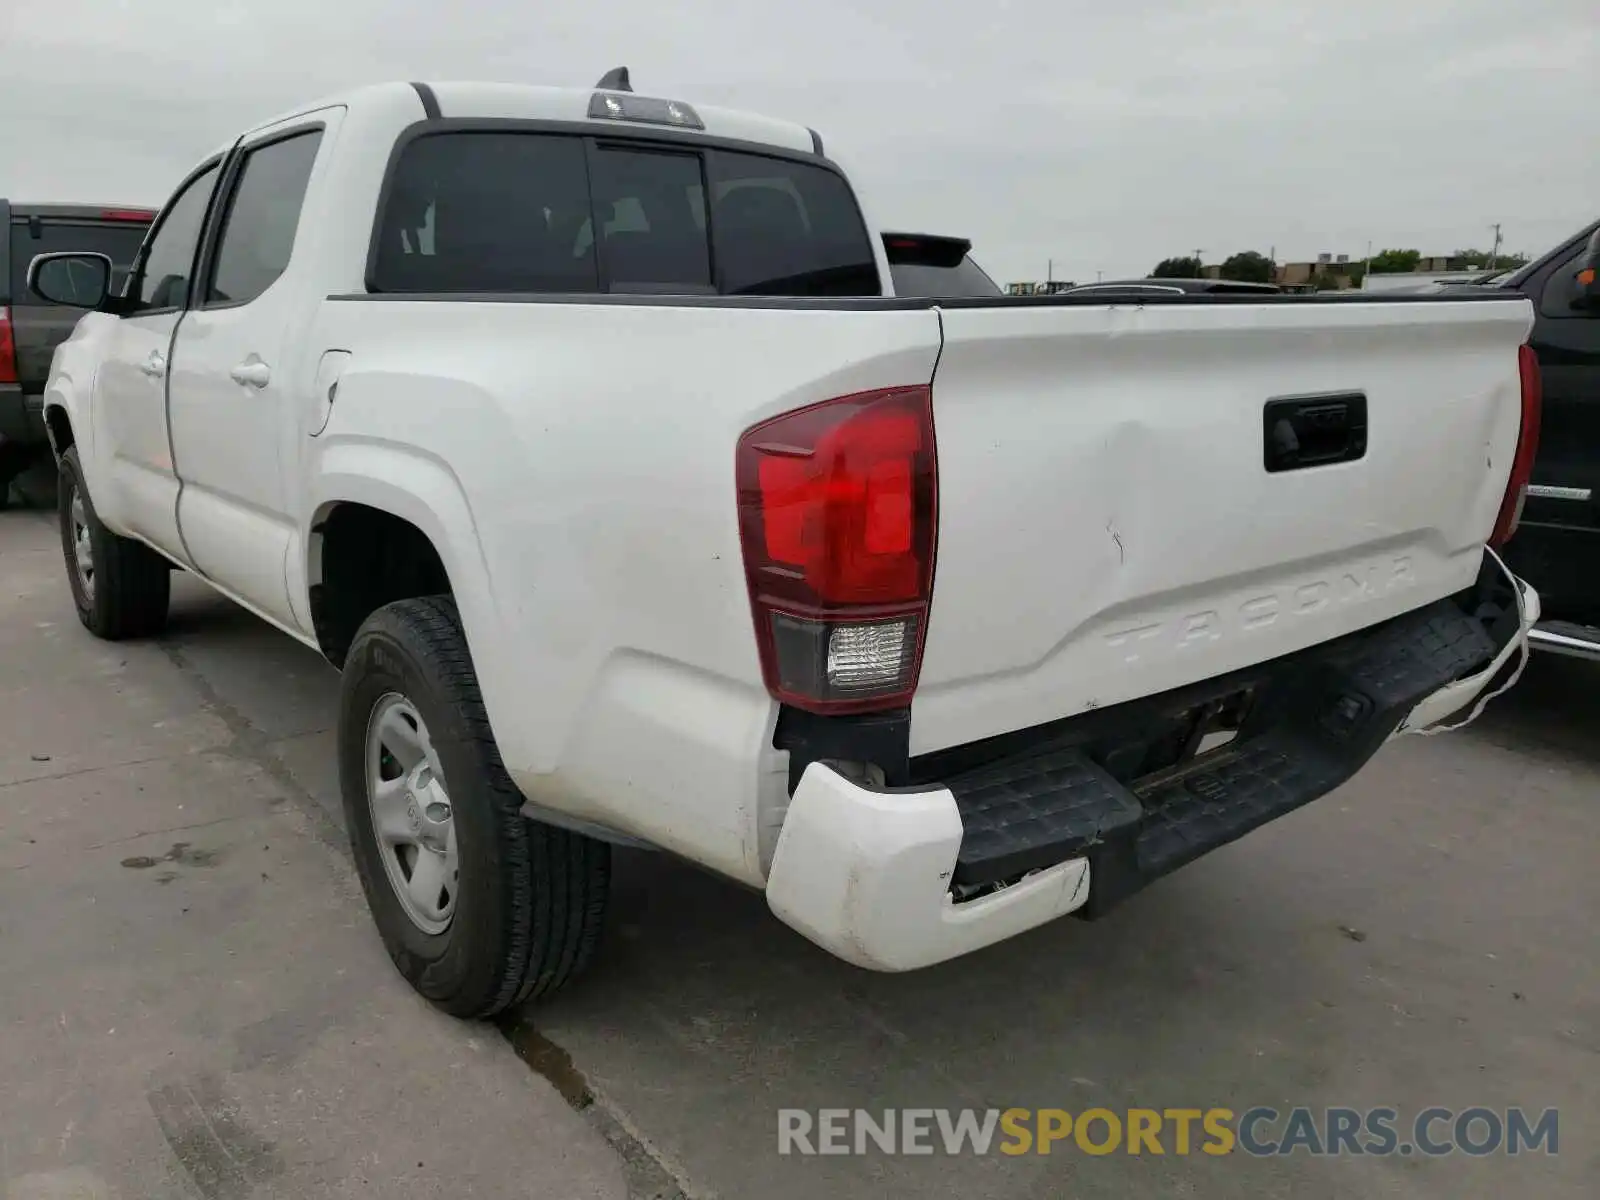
x,y
615,80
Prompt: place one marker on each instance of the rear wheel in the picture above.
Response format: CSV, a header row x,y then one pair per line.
x,y
120,587
479,907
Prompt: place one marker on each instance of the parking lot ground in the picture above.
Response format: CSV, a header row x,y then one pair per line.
x,y
1427,936
192,1002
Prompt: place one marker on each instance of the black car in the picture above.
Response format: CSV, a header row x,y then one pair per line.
x,y
1557,546
31,328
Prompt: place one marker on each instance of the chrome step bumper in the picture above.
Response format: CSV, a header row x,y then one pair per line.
x,y
1565,637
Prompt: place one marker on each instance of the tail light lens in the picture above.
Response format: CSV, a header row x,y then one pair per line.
x,y
837,512
8,346
1527,449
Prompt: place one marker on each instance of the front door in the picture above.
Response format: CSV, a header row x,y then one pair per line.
x,y
234,385
130,391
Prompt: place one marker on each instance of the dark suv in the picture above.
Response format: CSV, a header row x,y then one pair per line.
x,y
31,328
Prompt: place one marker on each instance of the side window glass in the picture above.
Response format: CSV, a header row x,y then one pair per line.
x,y
1561,289
486,212
652,239
169,257
263,214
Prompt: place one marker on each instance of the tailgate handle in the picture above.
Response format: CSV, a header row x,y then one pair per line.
x,y
1314,431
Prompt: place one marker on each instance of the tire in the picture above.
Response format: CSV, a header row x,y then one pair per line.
x,y
528,903
127,588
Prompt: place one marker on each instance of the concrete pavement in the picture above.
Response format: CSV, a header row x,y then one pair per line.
x,y
1424,936
193,1003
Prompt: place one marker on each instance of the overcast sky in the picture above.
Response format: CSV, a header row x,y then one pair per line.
x,y
1103,134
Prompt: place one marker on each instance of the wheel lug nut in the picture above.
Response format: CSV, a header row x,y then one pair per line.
x,y
438,813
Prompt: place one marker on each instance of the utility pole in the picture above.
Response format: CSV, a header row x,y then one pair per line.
x,y
1049,272
1494,253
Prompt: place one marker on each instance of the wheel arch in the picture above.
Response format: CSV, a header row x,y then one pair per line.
x,y
391,490
59,429
386,493
69,390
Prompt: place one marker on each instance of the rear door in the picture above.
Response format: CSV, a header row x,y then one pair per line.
x,y
238,367
1119,512
38,325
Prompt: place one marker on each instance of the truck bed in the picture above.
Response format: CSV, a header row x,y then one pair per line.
x,y
1107,527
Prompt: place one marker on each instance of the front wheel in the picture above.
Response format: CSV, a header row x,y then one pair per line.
x,y
479,907
120,587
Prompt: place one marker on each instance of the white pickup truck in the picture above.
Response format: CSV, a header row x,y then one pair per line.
x,y
582,432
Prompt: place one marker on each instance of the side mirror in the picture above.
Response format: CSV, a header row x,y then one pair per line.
x,y
79,280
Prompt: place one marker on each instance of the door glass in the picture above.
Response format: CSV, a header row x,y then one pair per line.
x,y
169,261
263,214
486,212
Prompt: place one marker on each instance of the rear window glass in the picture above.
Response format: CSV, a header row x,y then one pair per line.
x,y
651,210
547,213
119,242
964,279
783,228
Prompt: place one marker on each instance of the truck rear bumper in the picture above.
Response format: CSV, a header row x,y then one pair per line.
x,y
1044,830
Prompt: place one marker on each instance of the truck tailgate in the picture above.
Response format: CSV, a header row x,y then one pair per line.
x,y
1109,527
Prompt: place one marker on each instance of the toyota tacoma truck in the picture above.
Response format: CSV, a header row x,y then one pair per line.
x,y
583,432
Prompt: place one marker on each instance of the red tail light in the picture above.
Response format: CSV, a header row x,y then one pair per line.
x,y
1527,449
8,348
837,512
144,215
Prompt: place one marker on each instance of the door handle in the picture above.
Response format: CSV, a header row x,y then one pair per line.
x,y
154,364
252,372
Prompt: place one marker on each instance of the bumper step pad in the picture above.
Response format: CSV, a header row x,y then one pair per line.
x,y
1318,717
1034,811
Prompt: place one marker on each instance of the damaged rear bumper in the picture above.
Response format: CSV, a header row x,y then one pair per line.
x,y
1050,821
